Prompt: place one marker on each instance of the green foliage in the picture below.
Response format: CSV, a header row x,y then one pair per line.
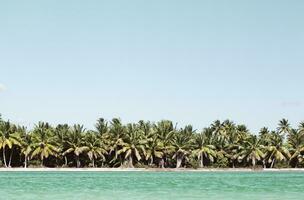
x,y
193,163
146,144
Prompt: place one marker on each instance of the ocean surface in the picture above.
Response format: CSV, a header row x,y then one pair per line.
x,y
151,185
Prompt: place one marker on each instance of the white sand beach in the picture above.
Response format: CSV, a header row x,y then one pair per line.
x,y
146,170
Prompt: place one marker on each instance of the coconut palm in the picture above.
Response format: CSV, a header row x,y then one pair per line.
x,y
203,147
25,145
15,138
284,128
219,132
296,145
75,143
276,150
232,148
251,150
44,144
165,131
146,128
182,144
241,132
153,148
8,138
264,134
265,138
230,130
114,141
132,145
222,144
101,127
95,148
152,145
301,127
62,132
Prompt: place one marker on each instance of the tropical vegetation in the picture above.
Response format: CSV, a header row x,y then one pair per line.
x,y
147,144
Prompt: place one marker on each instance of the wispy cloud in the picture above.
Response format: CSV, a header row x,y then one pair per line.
x,y
2,87
292,104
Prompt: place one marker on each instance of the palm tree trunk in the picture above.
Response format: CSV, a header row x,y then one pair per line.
x,y
77,162
130,163
264,165
4,157
65,161
151,161
253,162
178,161
202,161
42,165
93,163
25,161
162,163
272,163
10,159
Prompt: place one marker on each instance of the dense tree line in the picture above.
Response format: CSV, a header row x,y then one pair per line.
x,y
147,144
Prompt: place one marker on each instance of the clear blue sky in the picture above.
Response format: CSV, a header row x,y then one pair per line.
x,y
188,61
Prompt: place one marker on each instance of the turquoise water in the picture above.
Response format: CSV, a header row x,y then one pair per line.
x,y
151,185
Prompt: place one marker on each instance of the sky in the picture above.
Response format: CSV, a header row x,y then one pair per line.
x,y
191,61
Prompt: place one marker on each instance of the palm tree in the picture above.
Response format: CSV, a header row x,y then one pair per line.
x,y
152,145
95,148
132,145
296,145
75,143
62,132
232,147
203,147
222,144
102,127
301,127
44,144
264,134
16,140
182,143
8,138
26,145
265,137
153,148
145,128
283,128
252,150
223,131
218,130
230,130
165,131
114,141
241,132
276,150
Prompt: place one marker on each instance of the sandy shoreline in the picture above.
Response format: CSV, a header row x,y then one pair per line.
x,y
145,170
